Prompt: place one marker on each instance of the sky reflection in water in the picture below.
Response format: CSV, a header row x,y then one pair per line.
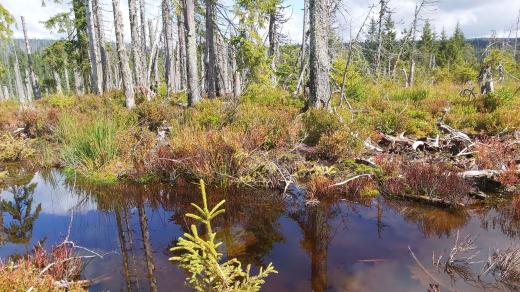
x,y
335,246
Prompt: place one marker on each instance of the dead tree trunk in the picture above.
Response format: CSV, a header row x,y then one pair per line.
x,y
382,12
418,9
78,82
303,48
67,80
181,35
223,80
35,84
191,52
154,83
18,77
136,44
143,27
124,68
319,53
104,57
210,49
96,78
168,46
57,79
273,41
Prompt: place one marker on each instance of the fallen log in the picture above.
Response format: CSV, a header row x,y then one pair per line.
x,y
431,200
454,133
476,174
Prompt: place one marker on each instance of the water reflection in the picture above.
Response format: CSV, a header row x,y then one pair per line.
x,y
19,230
334,245
431,221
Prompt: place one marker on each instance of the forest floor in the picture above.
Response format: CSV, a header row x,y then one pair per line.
x,y
430,143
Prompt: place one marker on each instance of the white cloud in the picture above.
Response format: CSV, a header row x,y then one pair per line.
x,y
477,17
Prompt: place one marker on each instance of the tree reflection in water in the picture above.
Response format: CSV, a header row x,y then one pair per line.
x,y
20,228
314,222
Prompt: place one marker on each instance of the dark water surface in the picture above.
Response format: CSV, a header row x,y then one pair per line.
x,y
336,246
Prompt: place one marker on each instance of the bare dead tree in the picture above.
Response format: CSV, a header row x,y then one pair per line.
x,y
191,52
303,48
210,54
18,78
137,56
104,57
168,46
96,77
35,84
383,10
419,8
124,68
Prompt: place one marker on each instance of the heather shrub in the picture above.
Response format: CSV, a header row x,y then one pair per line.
x,y
317,123
14,149
426,178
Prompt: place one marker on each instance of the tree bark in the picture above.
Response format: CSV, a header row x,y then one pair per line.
x,y
57,79
154,59
136,44
104,57
35,84
181,34
382,11
303,48
319,53
143,27
210,49
168,47
18,77
67,80
191,53
96,77
124,68
273,42
78,82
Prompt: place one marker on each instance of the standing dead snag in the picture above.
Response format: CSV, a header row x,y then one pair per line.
x,y
191,52
210,55
168,46
35,84
124,68
319,53
419,8
96,76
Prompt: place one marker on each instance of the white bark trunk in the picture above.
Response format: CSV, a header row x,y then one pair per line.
x,y
124,68
18,76
168,47
57,79
35,84
191,53
210,49
96,77
136,44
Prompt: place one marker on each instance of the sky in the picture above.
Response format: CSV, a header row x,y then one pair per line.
x,y
478,18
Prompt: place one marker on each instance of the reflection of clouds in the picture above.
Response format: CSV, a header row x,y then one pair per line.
x,y
55,197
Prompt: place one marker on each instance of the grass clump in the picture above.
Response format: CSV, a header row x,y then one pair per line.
x,y
201,258
92,148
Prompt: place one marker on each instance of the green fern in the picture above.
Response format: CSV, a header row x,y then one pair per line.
x,y
201,257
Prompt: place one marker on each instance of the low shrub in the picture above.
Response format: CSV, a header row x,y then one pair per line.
x,y
317,123
14,149
427,178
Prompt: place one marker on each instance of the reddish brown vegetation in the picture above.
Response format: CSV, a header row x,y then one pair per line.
x,y
429,178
